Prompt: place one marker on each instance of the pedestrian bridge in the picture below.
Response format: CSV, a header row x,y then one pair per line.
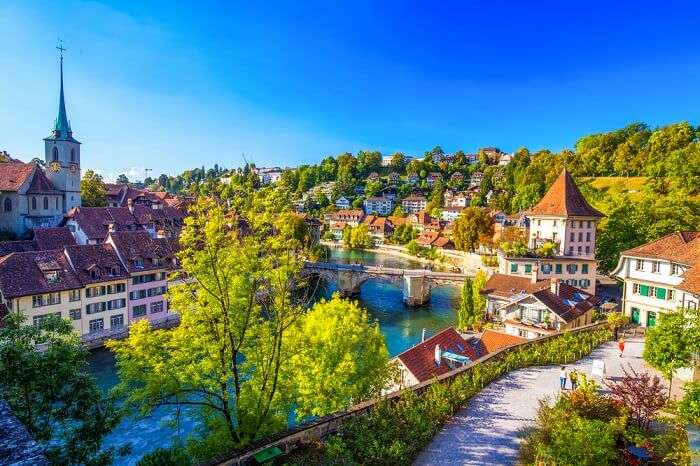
x,y
415,283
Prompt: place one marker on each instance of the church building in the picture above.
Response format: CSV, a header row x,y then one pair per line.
x,y
32,196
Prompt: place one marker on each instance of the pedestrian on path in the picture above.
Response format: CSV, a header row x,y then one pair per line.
x,y
562,378
621,346
573,376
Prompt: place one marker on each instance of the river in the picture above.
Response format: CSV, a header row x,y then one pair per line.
x,y
402,327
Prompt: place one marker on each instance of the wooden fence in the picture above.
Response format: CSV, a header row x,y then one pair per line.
x,y
319,429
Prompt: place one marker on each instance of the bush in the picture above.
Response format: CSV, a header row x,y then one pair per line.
x,y
166,457
328,236
688,408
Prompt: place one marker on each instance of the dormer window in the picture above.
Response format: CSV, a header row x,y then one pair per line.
x,y
156,260
138,262
94,273
51,277
113,271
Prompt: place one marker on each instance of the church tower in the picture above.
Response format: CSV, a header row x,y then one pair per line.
x,y
62,154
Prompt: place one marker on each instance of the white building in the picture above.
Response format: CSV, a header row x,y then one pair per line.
x,y
450,214
452,199
378,205
414,204
342,203
659,277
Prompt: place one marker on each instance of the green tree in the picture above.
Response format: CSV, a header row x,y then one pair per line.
x,y
671,344
232,354
689,407
479,301
325,345
472,228
122,179
398,161
357,237
93,192
466,314
51,390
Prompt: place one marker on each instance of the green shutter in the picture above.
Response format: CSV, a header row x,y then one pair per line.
x,y
528,268
513,267
584,268
661,293
644,290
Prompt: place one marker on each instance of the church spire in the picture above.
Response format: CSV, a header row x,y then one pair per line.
x,y
61,127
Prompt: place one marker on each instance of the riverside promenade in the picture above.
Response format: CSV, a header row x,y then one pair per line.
x,y
487,430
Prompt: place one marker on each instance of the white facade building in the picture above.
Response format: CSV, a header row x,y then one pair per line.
x,y
378,205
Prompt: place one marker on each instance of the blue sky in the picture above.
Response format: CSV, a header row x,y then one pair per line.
x,y
174,85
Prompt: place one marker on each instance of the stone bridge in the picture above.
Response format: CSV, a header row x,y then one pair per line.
x,y
415,283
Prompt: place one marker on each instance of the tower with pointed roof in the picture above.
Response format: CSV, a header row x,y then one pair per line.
x,y
62,154
564,218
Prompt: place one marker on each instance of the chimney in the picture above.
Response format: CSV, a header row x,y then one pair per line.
x,y
110,227
160,233
554,286
130,203
533,274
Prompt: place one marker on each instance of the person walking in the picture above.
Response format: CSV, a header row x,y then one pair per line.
x,y
573,377
562,378
621,346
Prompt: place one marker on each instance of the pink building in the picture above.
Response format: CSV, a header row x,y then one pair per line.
x,y
148,261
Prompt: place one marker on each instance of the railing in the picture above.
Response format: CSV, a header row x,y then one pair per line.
x,y
373,269
322,427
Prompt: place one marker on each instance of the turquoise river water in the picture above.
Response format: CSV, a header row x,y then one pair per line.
x,y
402,327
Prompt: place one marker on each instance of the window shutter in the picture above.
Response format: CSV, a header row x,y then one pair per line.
x,y
661,293
644,290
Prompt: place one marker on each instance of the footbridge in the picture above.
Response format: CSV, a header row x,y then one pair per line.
x,y
415,283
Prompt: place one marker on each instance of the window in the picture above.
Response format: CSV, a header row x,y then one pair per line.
x,y
660,293
554,224
513,268
8,204
580,236
588,236
46,203
151,277
54,154
156,307
161,289
639,265
584,268
655,267
670,295
74,295
116,304
74,314
572,236
95,291
572,268
578,250
557,269
589,224
116,321
522,333
528,268
94,273
57,206
138,294
51,277
571,250
588,249
116,288
644,290
675,269
34,203
546,269
46,299
72,155
652,291
97,325
539,222
139,310
95,308
635,288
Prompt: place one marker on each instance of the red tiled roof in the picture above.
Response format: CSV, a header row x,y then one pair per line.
x,y
14,174
23,273
493,340
564,199
47,239
691,280
95,263
682,247
569,303
41,185
138,244
507,286
420,360
95,221
8,247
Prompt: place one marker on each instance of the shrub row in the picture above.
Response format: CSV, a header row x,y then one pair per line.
x,y
393,432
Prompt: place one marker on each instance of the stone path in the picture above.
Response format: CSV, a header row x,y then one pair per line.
x,y
486,430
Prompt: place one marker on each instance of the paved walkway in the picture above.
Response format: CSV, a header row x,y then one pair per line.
x,y
485,432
